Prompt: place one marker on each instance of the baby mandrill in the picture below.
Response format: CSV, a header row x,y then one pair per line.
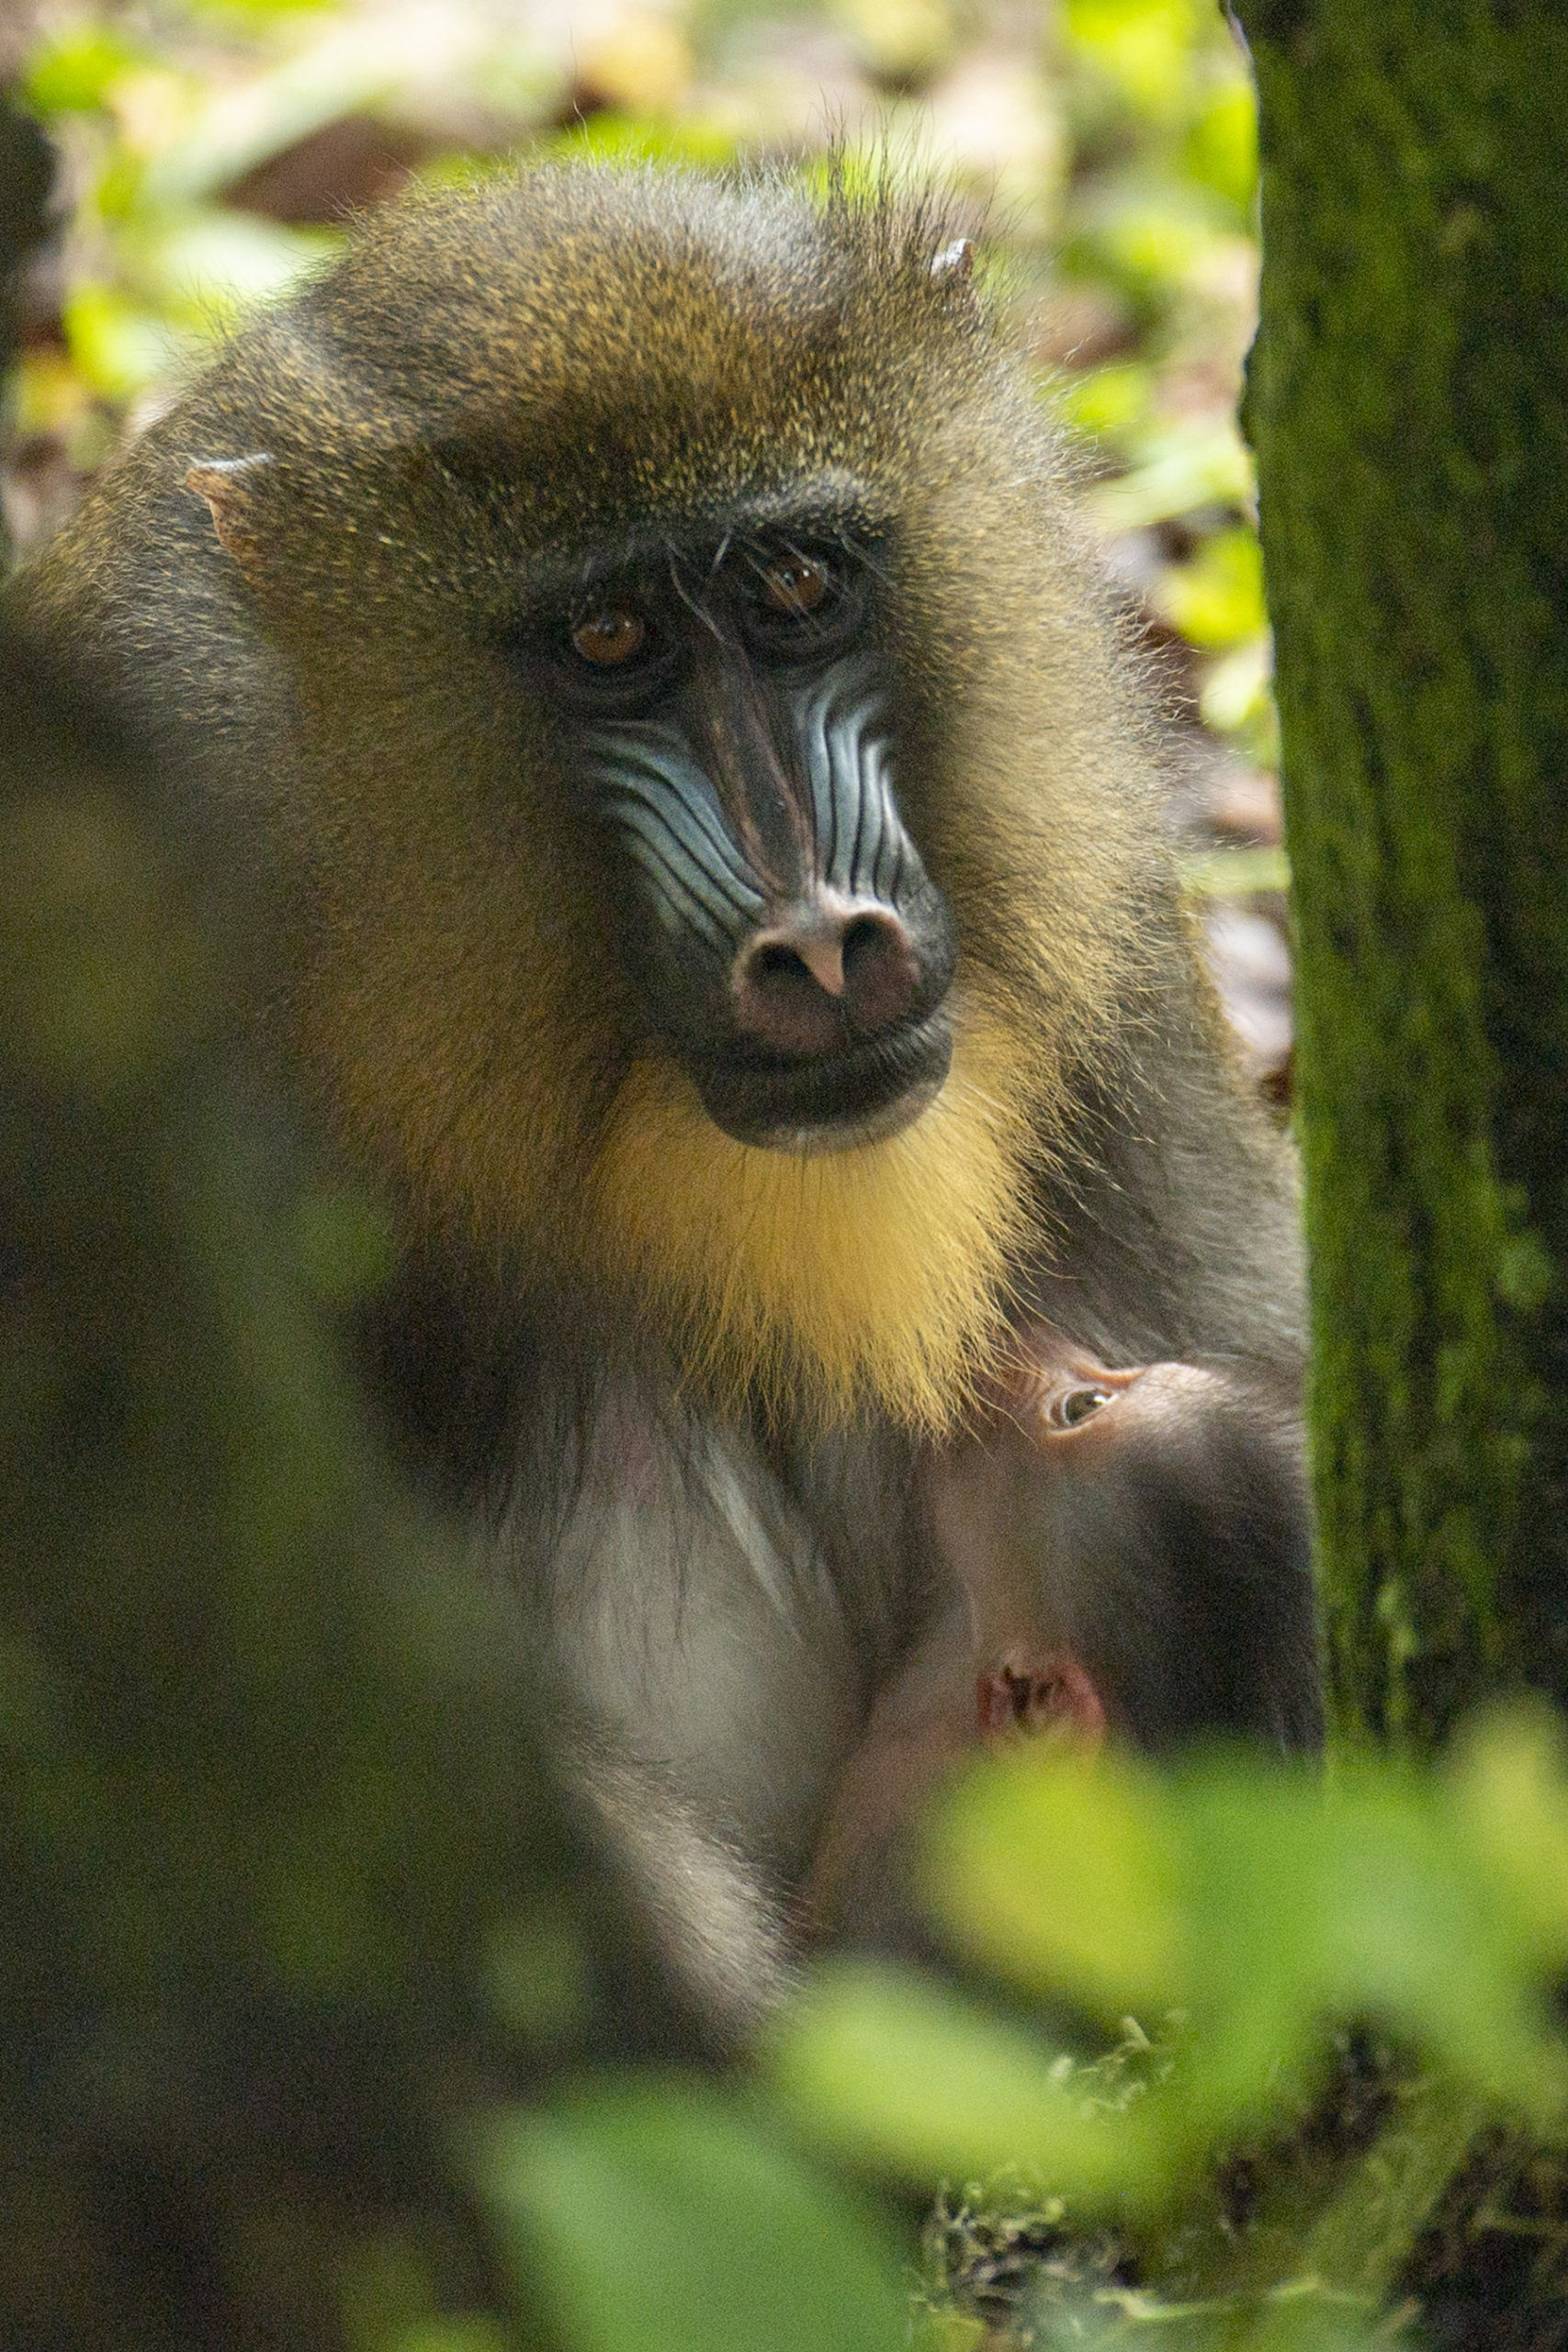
x,y
1127,1557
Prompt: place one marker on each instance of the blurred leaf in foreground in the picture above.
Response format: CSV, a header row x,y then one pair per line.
x,y
1261,1905
899,2072
662,2217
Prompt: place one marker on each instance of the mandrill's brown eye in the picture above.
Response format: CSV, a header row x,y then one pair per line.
x,y
611,637
1075,1405
796,585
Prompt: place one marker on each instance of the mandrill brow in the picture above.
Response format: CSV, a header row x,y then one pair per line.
x,y
712,882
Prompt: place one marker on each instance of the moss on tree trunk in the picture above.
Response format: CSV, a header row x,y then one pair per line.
x,y
1408,401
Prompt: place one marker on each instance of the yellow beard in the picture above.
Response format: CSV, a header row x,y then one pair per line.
x,y
824,1284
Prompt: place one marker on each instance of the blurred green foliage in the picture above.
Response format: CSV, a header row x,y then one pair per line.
x,y
1215,1925
1204,1936
1188,1948
665,2215
1257,1908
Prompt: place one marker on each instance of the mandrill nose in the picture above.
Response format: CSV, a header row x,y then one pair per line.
x,y
824,975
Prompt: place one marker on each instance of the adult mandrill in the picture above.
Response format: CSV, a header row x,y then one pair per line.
x,y
720,901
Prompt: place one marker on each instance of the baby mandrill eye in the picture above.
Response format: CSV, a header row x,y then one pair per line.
x,y
1076,1405
611,637
796,585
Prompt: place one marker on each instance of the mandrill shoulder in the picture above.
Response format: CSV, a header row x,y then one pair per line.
x,y
1176,1202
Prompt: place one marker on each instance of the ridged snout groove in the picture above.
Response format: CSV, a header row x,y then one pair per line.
x,y
805,955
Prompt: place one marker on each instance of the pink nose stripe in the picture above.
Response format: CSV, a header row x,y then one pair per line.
x,y
824,960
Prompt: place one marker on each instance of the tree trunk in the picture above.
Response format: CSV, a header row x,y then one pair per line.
x,y
1408,401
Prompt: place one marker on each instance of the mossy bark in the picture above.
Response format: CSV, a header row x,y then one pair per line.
x,y
1408,402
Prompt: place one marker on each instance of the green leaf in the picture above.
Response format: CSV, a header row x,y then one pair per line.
x,y
1307,1906
1062,1878
1217,600
1415,1932
242,14
119,347
1263,1904
1221,144
625,139
894,2071
1509,1799
662,2217
1234,698
218,265
1177,470
1235,873
75,73
1153,237
1252,1878
1143,47
1105,401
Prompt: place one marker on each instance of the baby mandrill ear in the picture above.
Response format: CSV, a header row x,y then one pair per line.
x,y
229,486
1045,1694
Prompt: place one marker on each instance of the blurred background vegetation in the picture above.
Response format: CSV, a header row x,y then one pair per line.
x,y
212,151
308,1984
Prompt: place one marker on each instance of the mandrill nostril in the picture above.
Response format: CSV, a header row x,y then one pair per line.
x,y
882,972
774,962
820,977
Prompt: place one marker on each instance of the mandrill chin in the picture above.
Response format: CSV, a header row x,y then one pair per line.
x,y
637,628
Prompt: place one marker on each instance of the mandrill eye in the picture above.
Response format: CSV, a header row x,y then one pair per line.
x,y
1076,1405
796,585
609,637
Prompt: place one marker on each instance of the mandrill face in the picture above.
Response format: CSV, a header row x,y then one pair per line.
x,y
734,718
715,829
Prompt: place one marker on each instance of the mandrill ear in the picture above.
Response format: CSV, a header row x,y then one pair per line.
x,y
956,263
229,486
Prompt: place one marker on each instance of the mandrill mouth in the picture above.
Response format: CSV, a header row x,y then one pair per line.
x,y
834,1103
